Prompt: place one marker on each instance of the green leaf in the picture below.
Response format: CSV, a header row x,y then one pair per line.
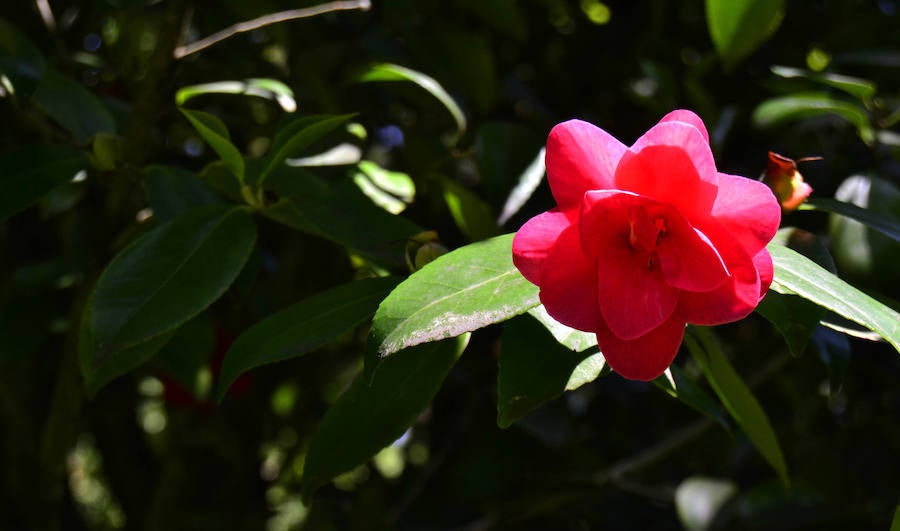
x,y
862,89
795,317
796,274
529,181
20,59
736,397
784,109
369,417
535,368
270,89
692,395
738,27
216,135
303,327
567,336
29,173
391,190
467,289
392,72
884,224
163,279
319,207
472,215
186,357
173,191
297,136
73,106
895,523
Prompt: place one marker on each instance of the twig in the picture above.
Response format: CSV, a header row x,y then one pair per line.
x,y
266,20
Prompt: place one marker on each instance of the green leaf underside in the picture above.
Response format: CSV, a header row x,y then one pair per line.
x,y
214,132
28,173
74,107
303,327
796,274
566,336
886,225
167,277
467,289
737,398
369,417
535,368
318,207
738,27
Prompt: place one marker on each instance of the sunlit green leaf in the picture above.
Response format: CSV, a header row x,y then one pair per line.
x,y
738,27
737,398
74,107
303,327
535,368
163,279
392,72
369,417
528,182
216,135
28,173
862,89
796,274
467,289
391,190
796,107
270,89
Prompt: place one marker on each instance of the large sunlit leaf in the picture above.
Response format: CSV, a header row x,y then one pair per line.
x,y
270,89
467,289
796,274
795,107
340,212
535,368
862,89
303,327
72,106
738,27
737,398
163,279
297,136
369,417
28,173
216,135
392,72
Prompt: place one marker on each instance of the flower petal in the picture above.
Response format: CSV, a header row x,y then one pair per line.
x,y
580,157
735,298
688,117
689,261
672,163
748,210
643,358
633,294
766,269
534,240
569,283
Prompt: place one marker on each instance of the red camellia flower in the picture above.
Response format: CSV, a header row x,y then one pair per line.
x,y
646,239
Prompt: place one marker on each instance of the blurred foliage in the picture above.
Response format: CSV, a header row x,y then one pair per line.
x,y
441,108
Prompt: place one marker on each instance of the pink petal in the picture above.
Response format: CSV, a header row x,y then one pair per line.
x,y
633,294
688,117
748,210
569,283
645,357
534,240
672,163
580,157
763,262
735,298
687,257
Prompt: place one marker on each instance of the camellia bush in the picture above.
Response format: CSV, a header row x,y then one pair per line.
x,y
449,265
